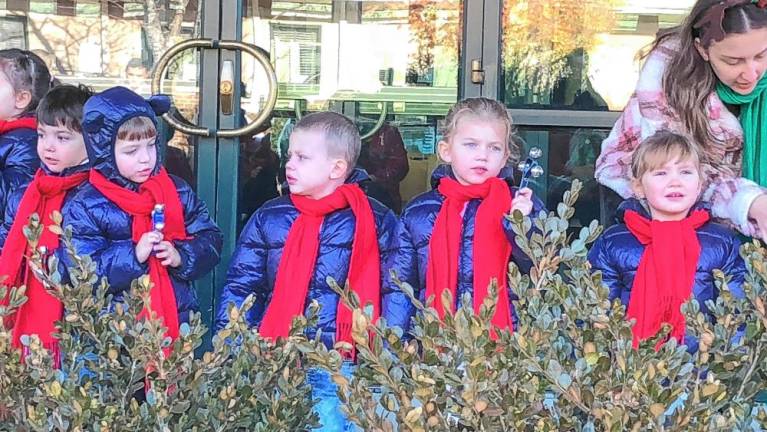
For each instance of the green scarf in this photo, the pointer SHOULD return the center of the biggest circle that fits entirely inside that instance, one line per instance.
(753, 118)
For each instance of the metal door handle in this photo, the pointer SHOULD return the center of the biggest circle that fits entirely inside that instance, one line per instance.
(260, 55)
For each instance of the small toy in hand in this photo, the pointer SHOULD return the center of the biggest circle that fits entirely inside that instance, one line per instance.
(530, 167)
(158, 217)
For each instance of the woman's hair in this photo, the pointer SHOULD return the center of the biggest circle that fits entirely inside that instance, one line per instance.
(485, 109)
(26, 71)
(689, 80)
(137, 128)
(662, 147)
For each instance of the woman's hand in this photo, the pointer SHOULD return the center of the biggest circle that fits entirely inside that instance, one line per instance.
(758, 212)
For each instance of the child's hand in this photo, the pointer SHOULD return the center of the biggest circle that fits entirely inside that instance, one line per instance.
(168, 254)
(523, 201)
(145, 245)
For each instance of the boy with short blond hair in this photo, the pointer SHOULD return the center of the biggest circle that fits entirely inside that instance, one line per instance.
(326, 227)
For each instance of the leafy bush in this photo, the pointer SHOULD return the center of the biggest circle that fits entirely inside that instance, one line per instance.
(569, 365)
(114, 375)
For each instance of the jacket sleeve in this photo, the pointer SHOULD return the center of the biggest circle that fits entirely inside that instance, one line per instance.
(246, 275)
(201, 252)
(11, 207)
(517, 255)
(735, 267)
(395, 305)
(403, 262)
(22, 160)
(115, 259)
(602, 260)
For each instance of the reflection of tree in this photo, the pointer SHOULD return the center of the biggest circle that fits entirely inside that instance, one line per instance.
(163, 23)
(538, 36)
(422, 18)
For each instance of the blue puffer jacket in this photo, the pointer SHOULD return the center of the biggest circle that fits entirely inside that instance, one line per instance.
(102, 230)
(413, 236)
(253, 269)
(12, 205)
(617, 253)
(18, 161)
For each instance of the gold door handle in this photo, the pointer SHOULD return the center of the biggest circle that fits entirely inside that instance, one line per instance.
(260, 55)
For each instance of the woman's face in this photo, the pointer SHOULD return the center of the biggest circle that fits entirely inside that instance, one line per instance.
(739, 60)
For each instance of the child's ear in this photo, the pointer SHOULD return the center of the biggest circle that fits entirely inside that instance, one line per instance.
(443, 149)
(340, 169)
(636, 186)
(23, 99)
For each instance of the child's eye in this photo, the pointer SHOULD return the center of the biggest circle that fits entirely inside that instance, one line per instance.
(63, 138)
(497, 149)
(659, 173)
(687, 171)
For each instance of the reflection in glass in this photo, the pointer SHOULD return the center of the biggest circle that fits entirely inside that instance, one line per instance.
(101, 47)
(351, 57)
(579, 54)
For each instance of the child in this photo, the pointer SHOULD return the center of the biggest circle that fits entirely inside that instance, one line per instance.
(63, 171)
(24, 79)
(665, 247)
(111, 217)
(456, 236)
(326, 227)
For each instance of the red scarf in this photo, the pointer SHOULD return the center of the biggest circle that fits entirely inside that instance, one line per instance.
(159, 189)
(44, 195)
(666, 273)
(22, 123)
(300, 255)
(491, 249)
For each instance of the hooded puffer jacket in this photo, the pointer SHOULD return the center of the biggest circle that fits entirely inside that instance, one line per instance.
(414, 233)
(102, 230)
(253, 269)
(617, 253)
(18, 161)
(14, 200)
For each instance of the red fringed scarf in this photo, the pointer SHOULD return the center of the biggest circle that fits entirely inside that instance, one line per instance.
(300, 255)
(666, 273)
(22, 123)
(491, 248)
(158, 189)
(44, 195)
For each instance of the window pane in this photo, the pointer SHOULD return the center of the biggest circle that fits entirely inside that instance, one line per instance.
(568, 154)
(579, 54)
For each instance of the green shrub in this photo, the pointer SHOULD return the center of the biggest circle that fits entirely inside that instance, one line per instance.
(109, 355)
(569, 365)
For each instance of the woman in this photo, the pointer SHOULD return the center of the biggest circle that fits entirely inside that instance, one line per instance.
(705, 78)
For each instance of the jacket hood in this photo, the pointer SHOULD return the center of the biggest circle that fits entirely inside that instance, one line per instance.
(445, 170)
(104, 113)
(640, 207)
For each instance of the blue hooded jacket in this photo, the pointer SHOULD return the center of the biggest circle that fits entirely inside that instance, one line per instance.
(413, 236)
(102, 230)
(617, 253)
(18, 161)
(253, 269)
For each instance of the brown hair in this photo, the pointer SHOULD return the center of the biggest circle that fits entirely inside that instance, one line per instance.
(342, 138)
(485, 109)
(137, 128)
(689, 80)
(662, 147)
(26, 71)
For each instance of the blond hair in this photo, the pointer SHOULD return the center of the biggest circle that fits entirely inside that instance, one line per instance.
(342, 139)
(662, 147)
(484, 109)
(137, 128)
